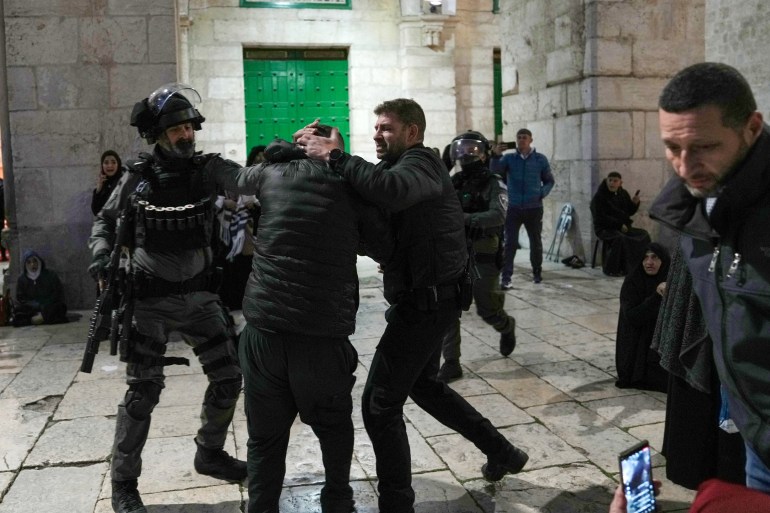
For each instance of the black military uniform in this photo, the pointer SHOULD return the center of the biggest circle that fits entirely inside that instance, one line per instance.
(484, 200)
(169, 199)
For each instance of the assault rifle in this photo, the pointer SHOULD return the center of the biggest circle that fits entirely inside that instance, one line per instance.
(105, 319)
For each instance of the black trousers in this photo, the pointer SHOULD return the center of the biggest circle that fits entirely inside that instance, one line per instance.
(405, 365)
(284, 376)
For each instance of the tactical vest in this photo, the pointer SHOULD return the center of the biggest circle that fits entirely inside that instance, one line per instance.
(173, 209)
(469, 192)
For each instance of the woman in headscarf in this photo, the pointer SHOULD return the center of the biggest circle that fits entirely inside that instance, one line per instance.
(110, 171)
(640, 298)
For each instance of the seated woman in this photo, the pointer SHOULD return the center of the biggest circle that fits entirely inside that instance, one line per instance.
(611, 209)
(38, 290)
(640, 298)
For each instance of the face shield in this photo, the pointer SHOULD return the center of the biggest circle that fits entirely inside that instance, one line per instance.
(172, 104)
(467, 151)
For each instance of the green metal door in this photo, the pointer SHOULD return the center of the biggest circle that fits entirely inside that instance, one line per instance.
(287, 89)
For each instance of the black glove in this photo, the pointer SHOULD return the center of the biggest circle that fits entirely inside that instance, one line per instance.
(99, 264)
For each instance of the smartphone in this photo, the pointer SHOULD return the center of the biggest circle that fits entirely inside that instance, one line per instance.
(637, 192)
(636, 476)
(510, 145)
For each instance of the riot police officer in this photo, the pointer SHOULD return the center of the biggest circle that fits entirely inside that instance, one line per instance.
(167, 198)
(484, 200)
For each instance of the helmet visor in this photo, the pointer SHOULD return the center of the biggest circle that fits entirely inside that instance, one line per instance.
(157, 100)
(466, 150)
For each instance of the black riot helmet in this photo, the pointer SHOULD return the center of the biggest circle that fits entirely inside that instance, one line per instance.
(468, 147)
(169, 105)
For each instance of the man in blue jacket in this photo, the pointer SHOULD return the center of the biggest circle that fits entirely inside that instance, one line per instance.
(527, 174)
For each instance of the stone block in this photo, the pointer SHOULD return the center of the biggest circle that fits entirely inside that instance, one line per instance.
(22, 88)
(79, 86)
(88, 439)
(608, 57)
(161, 35)
(622, 93)
(113, 40)
(653, 146)
(224, 88)
(140, 7)
(639, 130)
(125, 90)
(20, 427)
(607, 135)
(564, 65)
(21, 8)
(41, 40)
(42, 378)
(568, 137)
(551, 103)
(665, 57)
(76, 489)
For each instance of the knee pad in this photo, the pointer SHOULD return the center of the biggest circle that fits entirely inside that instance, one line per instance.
(141, 399)
(223, 394)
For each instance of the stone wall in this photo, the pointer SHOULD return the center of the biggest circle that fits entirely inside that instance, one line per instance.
(741, 38)
(584, 76)
(443, 62)
(74, 70)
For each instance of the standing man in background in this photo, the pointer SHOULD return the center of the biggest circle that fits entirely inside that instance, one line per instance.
(527, 174)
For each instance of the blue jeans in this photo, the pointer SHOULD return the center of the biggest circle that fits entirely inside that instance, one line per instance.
(757, 473)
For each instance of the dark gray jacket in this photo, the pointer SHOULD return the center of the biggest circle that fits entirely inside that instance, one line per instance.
(728, 254)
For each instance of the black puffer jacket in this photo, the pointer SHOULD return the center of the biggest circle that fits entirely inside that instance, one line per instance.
(304, 278)
(427, 218)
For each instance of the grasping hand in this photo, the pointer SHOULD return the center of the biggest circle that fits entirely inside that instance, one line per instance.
(661, 288)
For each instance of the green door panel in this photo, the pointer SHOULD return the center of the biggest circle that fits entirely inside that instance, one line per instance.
(287, 89)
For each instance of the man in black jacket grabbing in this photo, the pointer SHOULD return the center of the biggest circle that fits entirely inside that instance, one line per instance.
(421, 284)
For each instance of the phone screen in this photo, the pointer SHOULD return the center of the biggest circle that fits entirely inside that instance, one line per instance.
(636, 474)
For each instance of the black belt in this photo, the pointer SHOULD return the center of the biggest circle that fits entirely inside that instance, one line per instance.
(152, 286)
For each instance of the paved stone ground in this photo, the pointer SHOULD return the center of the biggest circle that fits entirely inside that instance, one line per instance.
(554, 397)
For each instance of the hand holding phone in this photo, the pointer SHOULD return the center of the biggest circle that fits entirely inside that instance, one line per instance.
(636, 478)
(637, 192)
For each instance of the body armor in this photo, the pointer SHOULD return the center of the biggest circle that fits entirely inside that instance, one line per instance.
(174, 207)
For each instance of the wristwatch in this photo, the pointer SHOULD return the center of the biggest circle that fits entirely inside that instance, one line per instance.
(335, 155)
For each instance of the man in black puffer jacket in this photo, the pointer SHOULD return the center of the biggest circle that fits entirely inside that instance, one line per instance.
(300, 304)
(422, 285)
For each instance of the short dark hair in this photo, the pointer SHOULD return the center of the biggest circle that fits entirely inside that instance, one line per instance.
(614, 174)
(710, 83)
(255, 151)
(406, 110)
(524, 131)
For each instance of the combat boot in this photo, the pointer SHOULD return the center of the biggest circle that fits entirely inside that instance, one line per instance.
(450, 370)
(125, 497)
(218, 464)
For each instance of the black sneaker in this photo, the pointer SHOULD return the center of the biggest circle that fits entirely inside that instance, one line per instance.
(218, 464)
(450, 371)
(537, 275)
(511, 461)
(506, 285)
(125, 497)
(508, 341)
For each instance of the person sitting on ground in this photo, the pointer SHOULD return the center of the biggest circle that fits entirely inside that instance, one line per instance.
(611, 209)
(38, 290)
(638, 365)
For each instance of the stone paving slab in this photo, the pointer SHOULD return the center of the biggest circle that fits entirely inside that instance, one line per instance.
(554, 397)
(42, 378)
(54, 489)
(88, 440)
(20, 428)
